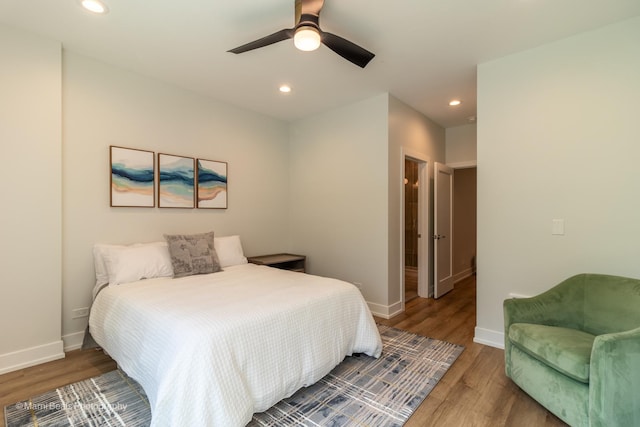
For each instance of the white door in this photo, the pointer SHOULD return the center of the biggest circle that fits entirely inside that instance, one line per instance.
(443, 228)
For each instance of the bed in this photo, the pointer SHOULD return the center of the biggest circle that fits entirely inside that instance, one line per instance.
(212, 349)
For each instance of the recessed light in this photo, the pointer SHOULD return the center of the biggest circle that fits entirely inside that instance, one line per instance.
(285, 88)
(95, 6)
(455, 102)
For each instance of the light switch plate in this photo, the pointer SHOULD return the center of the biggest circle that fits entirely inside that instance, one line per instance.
(557, 227)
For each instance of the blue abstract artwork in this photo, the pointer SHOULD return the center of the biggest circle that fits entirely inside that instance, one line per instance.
(176, 184)
(211, 184)
(132, 177)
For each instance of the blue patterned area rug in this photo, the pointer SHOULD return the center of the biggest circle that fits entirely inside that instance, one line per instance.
(361, 391)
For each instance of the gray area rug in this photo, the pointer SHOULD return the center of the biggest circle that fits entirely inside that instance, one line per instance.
(361, 391)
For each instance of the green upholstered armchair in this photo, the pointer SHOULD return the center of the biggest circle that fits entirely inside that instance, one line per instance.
(576, 349)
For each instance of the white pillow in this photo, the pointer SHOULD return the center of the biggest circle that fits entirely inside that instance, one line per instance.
(229, 250)
(99, 253)
(158, 261)
(137, 262)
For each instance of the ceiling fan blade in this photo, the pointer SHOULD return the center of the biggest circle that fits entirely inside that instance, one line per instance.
(348, 50)
(311, 7)
(276, 37)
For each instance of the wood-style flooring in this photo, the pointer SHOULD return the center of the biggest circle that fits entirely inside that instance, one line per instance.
(410, 283)
(474, 392)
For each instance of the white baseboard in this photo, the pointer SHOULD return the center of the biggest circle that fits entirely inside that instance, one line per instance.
(385, 311)
(462, 275)
(489, 337)
(73, 341)
(31, 356)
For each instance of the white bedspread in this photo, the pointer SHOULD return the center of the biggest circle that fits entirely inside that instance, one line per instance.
(211, 350)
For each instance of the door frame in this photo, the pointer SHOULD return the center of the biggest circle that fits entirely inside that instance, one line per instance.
(424, 217)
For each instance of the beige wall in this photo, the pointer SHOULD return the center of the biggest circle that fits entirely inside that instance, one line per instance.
(339, 192)
(557, 139)
(31, 145)
(461, 148)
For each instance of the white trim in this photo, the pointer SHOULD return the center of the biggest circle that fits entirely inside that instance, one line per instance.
(462, 275)
(73, 341)
(385, 311)
(31, 356)
(489, 337)
(463, 165)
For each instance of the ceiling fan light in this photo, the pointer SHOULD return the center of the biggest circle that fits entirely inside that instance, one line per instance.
(306, 38)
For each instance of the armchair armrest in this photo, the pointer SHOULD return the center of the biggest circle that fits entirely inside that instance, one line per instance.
(536, 310)
(561, 305)
(552, 308)
(614, 384)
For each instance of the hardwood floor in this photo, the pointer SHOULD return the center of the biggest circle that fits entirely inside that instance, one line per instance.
(474, 392)
(410, 283)
(76, 366)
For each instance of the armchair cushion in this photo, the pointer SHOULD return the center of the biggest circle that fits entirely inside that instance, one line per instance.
(566, 350)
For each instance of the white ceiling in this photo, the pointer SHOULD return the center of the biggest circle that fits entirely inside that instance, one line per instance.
(426, 50)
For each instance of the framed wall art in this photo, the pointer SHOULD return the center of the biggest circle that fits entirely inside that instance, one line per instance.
(176, 181)
(211, 183)
(132, 177)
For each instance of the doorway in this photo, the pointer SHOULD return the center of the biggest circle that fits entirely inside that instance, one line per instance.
(464, 222)
(411, 200)
(455, 200)
(414, 227)
(464, 198)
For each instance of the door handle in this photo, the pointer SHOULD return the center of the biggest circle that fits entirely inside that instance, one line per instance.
(439, 236)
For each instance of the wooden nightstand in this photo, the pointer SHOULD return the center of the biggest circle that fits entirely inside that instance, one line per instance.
(284, 261)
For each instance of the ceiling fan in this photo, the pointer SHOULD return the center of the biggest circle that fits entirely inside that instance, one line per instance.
(307, 35)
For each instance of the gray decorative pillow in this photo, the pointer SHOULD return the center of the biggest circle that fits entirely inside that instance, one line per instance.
(192, 254)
